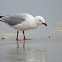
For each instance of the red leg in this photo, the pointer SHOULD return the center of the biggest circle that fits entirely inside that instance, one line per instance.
(17, 40)
(24, 36)
(17, 35)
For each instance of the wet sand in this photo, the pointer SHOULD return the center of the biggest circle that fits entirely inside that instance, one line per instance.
(40, 50)
(36, 50)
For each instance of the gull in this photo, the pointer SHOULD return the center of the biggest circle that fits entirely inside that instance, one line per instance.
(22, 22)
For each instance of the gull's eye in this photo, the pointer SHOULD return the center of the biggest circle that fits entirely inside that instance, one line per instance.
(39, 20)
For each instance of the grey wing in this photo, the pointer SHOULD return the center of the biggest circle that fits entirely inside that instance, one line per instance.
(15, 19)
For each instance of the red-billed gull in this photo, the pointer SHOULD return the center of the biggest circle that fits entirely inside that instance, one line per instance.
(22, 22)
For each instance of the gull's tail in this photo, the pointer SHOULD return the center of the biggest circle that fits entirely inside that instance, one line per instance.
(1, 18)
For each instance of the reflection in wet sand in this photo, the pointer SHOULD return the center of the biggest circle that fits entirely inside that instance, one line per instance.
(17, 44)
(21, 54)
(24, 44)
(20, 41)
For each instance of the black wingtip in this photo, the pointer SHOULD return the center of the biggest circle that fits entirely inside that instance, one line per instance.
(1, 16)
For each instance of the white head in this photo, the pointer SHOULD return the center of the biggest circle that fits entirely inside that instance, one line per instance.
(40, 20)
